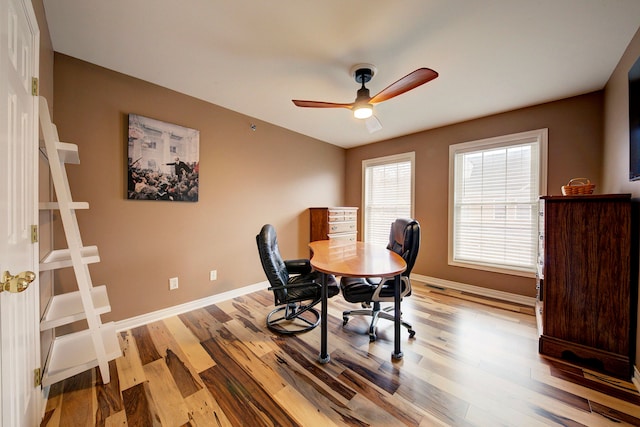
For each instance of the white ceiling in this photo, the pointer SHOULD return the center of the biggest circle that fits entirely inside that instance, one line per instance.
(254, 56)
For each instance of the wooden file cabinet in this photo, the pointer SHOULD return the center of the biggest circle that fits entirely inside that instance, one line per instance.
(590, 281)
(338, 223)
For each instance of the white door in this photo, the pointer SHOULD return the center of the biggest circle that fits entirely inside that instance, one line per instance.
(20, 399)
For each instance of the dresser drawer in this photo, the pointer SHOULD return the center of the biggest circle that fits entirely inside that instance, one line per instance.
(342, 227)
(343, 238)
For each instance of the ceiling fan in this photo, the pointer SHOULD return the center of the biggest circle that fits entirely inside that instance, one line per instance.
(363, 105)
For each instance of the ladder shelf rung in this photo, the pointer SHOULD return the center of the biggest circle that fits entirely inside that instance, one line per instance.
(74, 353)
(68, 153)
(67, 308)
(44, 206)
(61, 258)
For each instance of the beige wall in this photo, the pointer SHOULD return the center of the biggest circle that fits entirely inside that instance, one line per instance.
(247, 178)
(575, 135)
(616, 137)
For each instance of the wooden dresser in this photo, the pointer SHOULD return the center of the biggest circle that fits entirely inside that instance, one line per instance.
(588, 281)
(337, 223)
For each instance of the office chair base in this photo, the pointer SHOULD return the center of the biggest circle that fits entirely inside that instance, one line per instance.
(385, 313)
(293, 320)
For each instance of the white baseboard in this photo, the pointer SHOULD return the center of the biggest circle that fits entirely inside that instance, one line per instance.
(636, 377)
(143, 319)
(476, 290)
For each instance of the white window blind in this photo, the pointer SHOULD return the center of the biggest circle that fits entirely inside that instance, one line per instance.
(388, 194)
(496, 187)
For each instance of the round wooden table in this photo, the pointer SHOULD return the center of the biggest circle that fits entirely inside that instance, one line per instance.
(356, 259)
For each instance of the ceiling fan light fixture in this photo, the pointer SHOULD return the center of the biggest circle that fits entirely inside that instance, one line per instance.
(362, 107)
(363, 111)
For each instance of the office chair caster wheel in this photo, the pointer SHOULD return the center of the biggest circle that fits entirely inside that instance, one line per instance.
(372, 334)
(344, 320)
(412, 333)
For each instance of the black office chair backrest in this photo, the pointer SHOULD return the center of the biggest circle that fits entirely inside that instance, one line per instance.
(272, 262)
(404, 239)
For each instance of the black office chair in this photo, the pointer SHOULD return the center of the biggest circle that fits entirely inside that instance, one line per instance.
(296, 288)
(404, 239)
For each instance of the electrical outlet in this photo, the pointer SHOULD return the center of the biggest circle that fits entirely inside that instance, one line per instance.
(173, 283)
(213, 275)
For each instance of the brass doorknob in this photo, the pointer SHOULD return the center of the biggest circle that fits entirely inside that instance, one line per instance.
(18, 283)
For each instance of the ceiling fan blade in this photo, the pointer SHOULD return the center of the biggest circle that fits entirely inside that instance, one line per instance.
(408, 82)
(320, 104)
(373, 124)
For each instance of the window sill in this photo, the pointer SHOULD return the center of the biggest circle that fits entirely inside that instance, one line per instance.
(495, 269)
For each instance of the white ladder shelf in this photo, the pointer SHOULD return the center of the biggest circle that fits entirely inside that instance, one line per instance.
(75, 352)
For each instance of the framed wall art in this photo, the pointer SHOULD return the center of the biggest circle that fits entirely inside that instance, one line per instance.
(163, 161)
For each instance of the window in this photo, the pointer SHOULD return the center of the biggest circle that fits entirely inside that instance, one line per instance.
(494, 187)
(387, 194)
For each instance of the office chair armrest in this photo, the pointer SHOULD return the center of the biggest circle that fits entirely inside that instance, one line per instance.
(298, 266)
(406, 287)
(295, 285)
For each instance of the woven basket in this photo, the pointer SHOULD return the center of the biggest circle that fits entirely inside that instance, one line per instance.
(578, 187)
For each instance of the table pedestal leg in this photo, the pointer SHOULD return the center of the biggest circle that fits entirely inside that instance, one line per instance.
(397, 352)
(324, 356)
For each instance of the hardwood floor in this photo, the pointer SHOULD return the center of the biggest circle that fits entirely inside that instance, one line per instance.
(470, 364)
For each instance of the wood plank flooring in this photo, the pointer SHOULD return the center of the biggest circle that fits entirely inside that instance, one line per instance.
(471, 364)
